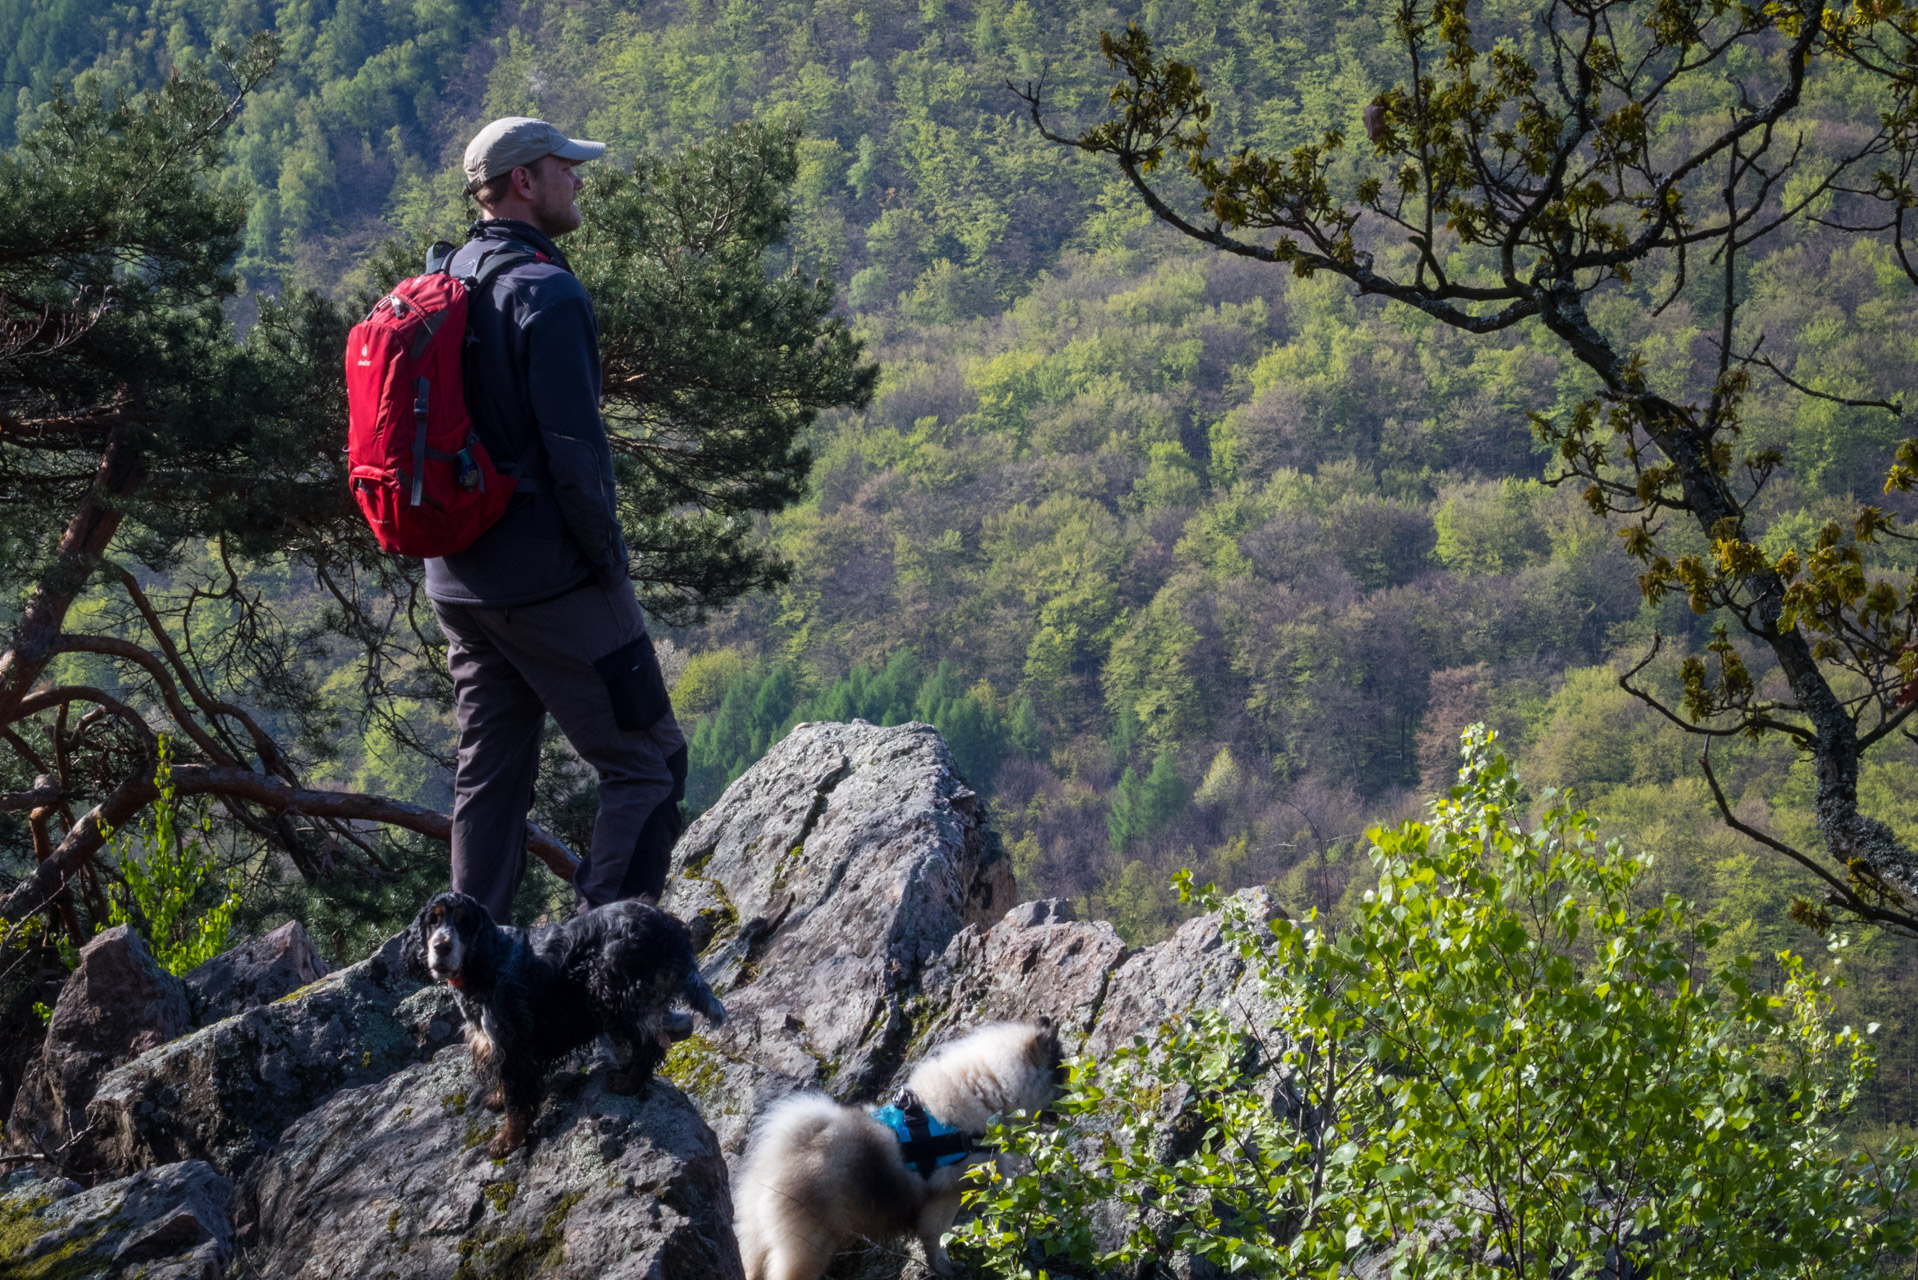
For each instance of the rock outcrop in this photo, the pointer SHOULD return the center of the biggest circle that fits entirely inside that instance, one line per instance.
(1035, 961)
(258, 971)
(224, 1093)
(853, 910)
(117, 1004)
(393, 1179)
(827, 879)
(830, 878)
(1193, 969)
(159, 1224)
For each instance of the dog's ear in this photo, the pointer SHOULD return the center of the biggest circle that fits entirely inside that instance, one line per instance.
(475, 920)
(1048, 1052)
(413, 947)
(480, 936)
(1046, 1042)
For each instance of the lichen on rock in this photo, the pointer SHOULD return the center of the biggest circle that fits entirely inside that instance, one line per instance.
(610, 1186)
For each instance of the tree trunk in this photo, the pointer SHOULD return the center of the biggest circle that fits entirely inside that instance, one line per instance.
(92, 527)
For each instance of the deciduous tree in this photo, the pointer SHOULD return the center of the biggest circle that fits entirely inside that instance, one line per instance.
(1531, 165)
(1499, 1066)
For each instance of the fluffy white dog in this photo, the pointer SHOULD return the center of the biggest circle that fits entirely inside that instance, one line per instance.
(818, 1175)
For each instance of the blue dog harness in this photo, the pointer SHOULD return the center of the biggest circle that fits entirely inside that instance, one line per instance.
(924, 1142)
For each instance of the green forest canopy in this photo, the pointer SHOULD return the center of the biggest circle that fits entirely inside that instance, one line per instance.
(1117, 512)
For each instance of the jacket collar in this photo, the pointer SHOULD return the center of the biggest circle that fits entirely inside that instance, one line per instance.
(495, 229)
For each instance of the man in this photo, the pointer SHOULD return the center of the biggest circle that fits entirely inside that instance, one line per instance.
(539, 613)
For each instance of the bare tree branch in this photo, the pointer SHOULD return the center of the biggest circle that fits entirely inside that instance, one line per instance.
(134, 793)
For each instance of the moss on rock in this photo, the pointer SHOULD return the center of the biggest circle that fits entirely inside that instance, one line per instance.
(515, 1254)
(83, 1256)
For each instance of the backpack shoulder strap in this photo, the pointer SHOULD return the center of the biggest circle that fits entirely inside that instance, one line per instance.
(488, 268)
(493, 262)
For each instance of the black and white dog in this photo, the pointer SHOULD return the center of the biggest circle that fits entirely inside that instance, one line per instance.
(531, 997)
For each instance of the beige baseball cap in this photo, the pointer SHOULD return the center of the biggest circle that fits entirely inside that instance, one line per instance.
(507, 143)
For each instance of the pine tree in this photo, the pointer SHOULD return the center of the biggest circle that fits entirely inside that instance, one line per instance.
(151, 459)
(133, 422)
(1125, 819)
(713, 367)
(1164, 793)
(1141, 806)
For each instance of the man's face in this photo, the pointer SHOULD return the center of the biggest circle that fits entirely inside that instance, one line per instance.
(555, 195)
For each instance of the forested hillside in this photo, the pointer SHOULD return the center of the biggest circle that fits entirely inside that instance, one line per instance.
(1195, 561)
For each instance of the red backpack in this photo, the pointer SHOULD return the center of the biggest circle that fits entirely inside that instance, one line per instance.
(416, 466)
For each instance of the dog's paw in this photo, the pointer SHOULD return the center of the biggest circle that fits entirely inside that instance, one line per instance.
(495, 1099)
(510, 1138)
(674, 1027)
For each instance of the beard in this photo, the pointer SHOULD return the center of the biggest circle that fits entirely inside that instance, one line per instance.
(555, 211)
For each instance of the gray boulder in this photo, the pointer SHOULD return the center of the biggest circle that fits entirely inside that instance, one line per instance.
(224, 1093)
(1036, 961)
(823, 883)
(1194, 968)
(159, 1224)
(258, 971)
(116, 1005)
(394, 1179)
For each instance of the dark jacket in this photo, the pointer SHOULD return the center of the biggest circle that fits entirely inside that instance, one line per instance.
(532, 388)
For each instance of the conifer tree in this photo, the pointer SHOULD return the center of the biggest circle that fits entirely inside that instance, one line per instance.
(132, 423)
(151, 458)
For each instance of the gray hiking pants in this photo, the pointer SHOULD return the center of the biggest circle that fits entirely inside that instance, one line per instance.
(585, 658)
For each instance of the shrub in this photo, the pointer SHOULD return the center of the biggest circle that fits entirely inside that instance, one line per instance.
(1504, 1066)
(170, 876)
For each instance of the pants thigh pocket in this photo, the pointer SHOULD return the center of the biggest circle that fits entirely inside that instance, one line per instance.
(634, 686)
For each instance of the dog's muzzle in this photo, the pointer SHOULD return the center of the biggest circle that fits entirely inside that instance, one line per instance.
(444, 957)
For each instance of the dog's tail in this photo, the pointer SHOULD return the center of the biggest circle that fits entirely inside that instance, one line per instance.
(701, 997)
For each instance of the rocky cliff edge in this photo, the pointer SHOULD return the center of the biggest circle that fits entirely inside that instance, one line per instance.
(853, 909)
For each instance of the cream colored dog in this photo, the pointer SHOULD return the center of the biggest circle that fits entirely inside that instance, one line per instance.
(818, 1175)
